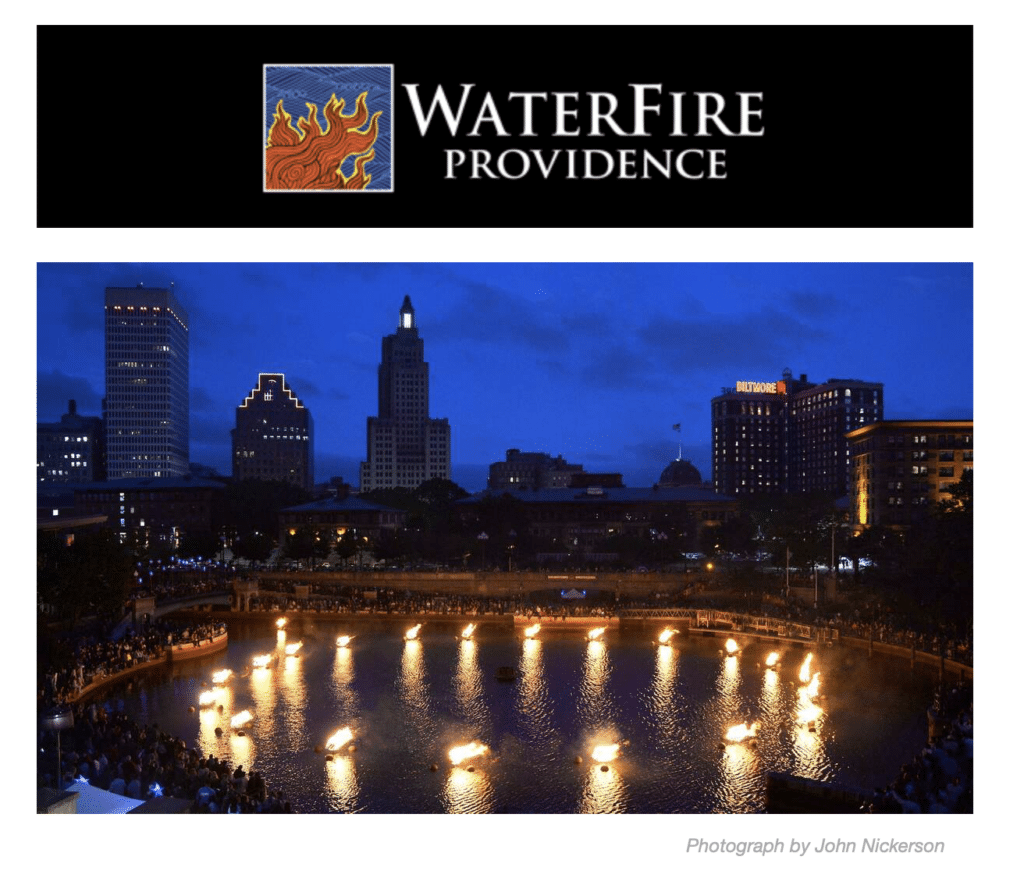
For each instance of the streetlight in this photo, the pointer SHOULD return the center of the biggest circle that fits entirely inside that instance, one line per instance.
(511, 547)
(55, 720)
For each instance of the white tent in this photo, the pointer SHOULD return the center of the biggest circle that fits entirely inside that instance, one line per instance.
(93, 800)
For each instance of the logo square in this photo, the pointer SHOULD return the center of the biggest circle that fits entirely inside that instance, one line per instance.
(328, 127)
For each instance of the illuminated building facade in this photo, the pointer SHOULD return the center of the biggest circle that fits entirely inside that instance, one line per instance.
(146, 407)
(70, 450)
(899, 469)
(404, 445)
(273, 435)
(531, 470)
(788, 435)
(160, 510)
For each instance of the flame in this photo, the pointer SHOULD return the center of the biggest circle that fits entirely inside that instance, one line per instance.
(281, 622)
(596, 633)
(311, 157)
(468, 631)
(292, 647)
(805, 670)
(206, 698)
(813, 686)
(605, 752)
(772, 660)
(809, 714)
(221, 676)
(338, 740)
(466, 751)
(240, 719)
(741, 732)
(343, 641)
(531, 631)
(261, 661)
(730, 646)
(666, 635)
(414, 632)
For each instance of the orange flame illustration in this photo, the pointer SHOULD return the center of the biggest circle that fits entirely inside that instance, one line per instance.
(311, 157)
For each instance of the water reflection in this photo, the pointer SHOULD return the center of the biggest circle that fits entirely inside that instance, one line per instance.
(594, 704)
(412, 689)
(342, 785)
(469, 688)
(211, 718)
(663, 701)
(809, 756)
(403, 699)
(728, 683)
(774, 718)
(741, 782)
(292, 700)
(533, 703)
(603, 791)
(347, 700)
(467, 792)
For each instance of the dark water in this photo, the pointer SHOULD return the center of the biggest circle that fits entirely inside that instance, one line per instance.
(408, 703)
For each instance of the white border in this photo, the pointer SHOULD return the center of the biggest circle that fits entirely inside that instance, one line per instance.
(501, 850)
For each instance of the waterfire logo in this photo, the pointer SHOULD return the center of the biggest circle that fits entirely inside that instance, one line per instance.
(343, 151)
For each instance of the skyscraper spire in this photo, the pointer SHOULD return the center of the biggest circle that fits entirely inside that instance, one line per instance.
(406, 315)
(405, 446)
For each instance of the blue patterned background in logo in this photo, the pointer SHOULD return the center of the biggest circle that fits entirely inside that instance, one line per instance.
(296, 85)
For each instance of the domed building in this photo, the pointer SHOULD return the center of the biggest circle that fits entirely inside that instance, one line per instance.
(680, 473)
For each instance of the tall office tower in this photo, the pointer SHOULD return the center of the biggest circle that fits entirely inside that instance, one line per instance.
(70, 450)
(404, 445)
(146, 406)
(273, 435)
(822, 415)
(788, 435)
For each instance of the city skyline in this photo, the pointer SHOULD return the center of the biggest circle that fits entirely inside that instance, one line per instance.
(595, 362)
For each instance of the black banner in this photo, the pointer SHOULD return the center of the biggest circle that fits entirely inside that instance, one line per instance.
(526, 126)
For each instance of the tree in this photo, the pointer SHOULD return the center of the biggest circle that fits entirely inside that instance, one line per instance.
(253, 505)
(253, 546)
(299, 543)
(92, 576)
(197, 544)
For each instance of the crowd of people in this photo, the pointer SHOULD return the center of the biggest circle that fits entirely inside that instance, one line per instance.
(939, 779)
(111, 751)
(92, 658)
(880, 625)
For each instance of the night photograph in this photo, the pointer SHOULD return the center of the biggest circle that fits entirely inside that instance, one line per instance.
(506, 538)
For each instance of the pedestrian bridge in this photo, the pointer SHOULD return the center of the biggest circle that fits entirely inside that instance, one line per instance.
(148, 605)
(496, 583)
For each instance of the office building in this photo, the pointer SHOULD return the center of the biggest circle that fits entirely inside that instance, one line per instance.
(70, 450)
(900, 469)
(404, 446)
(146, 406)
(531, 470)
(788, 435)
(161, 511)
(273, 435)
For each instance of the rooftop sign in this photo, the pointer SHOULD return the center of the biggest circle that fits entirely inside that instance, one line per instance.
(757, 387)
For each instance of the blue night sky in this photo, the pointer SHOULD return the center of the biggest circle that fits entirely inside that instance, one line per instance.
(595, 362)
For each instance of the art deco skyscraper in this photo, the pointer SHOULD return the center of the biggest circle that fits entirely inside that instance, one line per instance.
(404, 445)
(273, 435)
(146, 406)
